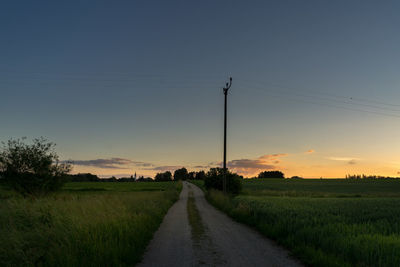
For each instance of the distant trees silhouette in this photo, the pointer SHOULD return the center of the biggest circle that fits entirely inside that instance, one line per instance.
(163, 176)
(142, 179)
(214, 180)
(363, 176)
(271, 174)
(81, 177)
(191, 175)
(201, 175)
(181, 174)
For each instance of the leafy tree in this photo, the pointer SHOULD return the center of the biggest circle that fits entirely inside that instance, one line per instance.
(32, 169)
(214, 179)
(271, 174)
(164, 176)
(81, 177)
(181, 174)
(201, 175)
(191, 175)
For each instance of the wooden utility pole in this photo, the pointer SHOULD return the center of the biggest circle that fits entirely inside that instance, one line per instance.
(225, 89)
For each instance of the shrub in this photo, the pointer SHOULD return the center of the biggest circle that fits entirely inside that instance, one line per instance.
(162, 177)
(191, 175)
(214, 179)
(201, 175)
(32, 169)
(271, 174)
(181, 174)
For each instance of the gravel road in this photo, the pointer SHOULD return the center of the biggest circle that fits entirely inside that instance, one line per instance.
(223, 243)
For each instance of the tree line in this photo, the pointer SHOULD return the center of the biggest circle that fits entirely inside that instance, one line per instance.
(180, 174)
(35, 169)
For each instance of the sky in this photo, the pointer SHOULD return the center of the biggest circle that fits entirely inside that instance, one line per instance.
(136, 86)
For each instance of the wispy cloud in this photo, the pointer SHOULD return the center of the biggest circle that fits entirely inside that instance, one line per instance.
(164, 168)
(342, 158)
(112, 163)
(272, 156)
(352, 162)
(201, 166)
(248, 164)
(349, 160)
(310, 151)
(251, 166)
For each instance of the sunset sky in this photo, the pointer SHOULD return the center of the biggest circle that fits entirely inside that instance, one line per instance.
(136, 86)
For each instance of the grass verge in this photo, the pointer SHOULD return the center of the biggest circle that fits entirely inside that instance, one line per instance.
(83, 228)
(323, 231)
(194, 217)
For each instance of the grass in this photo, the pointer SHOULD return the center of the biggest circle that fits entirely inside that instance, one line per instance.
(323, 222)
(119, 187)
(86, 224)
(323, 187)
(194, 217)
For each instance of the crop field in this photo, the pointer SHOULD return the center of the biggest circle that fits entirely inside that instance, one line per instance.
(323, 222)
(86, 224)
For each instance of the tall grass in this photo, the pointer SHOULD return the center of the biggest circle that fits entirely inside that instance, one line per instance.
(326, 230)
(323, 187)
(88, 228)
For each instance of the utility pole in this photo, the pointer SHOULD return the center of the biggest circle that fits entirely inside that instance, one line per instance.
(225, 89)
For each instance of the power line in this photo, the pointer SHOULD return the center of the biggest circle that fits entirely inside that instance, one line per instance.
(315, 92)
(194, 81)
(326, 104)
(316, 97)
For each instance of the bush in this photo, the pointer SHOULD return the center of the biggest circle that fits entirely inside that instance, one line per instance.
(271, 174)
(181, 174)
(32, 169)
(163, 177)
(214, 179)
(201, 175)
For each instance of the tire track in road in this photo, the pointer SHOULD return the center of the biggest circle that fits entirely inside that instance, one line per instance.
(204, 250)
(211, 239)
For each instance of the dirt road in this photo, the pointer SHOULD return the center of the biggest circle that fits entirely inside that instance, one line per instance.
(209, 238)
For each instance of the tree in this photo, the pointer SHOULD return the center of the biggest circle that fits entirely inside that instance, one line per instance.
(181, 174)
(271, 174)
(81, 177)
(214, 179)
(32, 169)
(201, 175)
(163, 177)
(191, 175)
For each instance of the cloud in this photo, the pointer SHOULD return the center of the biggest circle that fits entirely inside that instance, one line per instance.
(343, 158)
(201, 166)
(142, 164)
(215, 164)
(164, 168)
(272, 156)
(112, 163)
(251, 166)
(310, 151)
(352, 162)
(248, 164)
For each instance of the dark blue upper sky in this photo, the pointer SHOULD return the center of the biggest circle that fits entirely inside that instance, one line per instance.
(142, 79)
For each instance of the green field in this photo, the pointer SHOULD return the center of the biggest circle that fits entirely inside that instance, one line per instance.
(323, 222)
(86, 224)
